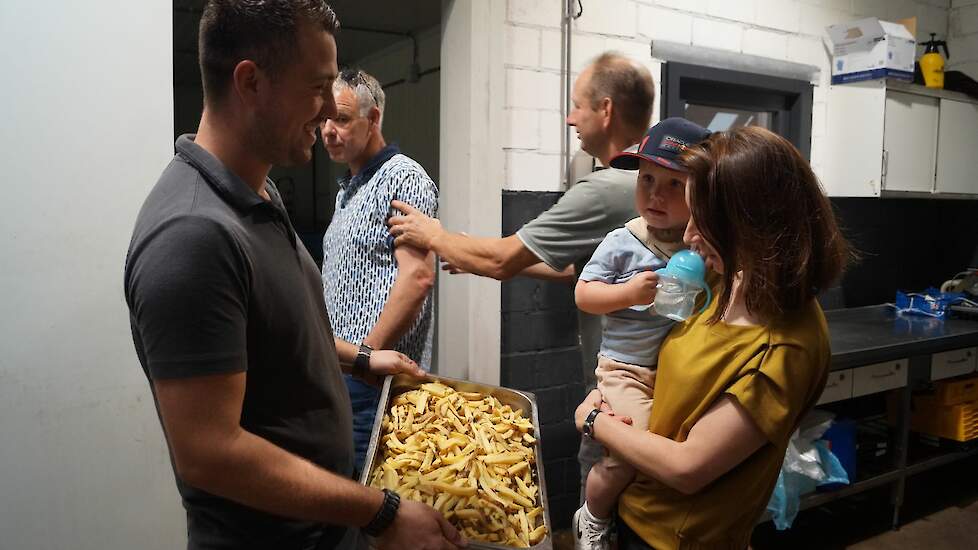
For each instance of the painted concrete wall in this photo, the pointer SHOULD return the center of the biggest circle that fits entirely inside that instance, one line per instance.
(471, 160)
(88, 127)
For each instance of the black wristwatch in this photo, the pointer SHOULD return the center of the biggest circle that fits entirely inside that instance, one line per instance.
(588, 428)
(361, 363)
(385, 516)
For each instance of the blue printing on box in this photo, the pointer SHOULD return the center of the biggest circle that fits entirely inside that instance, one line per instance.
(872, 74)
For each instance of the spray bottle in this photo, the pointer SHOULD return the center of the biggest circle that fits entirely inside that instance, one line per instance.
(932, 64)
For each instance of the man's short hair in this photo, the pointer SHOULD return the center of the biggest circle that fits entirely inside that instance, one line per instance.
(264, 31)
(628, 85)
(368, 91)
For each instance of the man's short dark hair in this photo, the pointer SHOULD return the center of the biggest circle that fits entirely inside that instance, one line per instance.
(628, 85)
(264, 31)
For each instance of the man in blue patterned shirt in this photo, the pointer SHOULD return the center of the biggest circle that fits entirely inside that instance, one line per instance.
(376, 294)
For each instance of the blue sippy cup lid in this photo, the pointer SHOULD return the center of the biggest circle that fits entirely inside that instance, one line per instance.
(687, 266)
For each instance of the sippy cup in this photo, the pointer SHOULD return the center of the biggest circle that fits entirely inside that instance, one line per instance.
(679, 283)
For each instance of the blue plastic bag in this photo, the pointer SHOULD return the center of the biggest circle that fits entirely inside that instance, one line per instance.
(808, 464)
(931, 302)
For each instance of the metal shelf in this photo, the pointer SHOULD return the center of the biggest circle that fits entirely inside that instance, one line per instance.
(938, 460)
(816, 499)
(812, 500)
(906, 461)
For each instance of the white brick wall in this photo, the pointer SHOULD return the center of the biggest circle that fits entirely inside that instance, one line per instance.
(586, 47)
(964, 20)
(608, 17)
(694, 6)
(532, 89)
(809, 50)
(550, 49)
(664, 24)
(719, 35)
(526, 171)
(779, 15)
(535, 12)
(524, 129)
(551, 126)
(523, 46)
(780, 29)
(814, 19)
(765, 43)
(865, 8)
(963, 37)
(742, 11)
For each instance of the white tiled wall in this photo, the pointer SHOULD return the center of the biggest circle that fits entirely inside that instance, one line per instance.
(963, 37)
(781, 29)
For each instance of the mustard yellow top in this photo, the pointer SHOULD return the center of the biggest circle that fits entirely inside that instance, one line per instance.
(776, 372)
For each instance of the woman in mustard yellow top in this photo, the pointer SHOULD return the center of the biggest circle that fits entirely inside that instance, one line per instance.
(735, 380)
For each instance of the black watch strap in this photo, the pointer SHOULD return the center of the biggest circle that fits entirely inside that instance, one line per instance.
(361, 363)
(588, 427)
(385, 516)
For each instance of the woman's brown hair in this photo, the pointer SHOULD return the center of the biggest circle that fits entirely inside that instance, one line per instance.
(757, 201)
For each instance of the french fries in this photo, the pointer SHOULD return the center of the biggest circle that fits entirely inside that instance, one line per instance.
(467, 455)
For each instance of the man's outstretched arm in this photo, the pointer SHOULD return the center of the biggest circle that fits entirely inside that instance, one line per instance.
(499, 258)
(539, 270)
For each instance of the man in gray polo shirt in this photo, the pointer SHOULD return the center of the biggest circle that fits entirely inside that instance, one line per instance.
(226, 306)
(611, 109)
(612, 105)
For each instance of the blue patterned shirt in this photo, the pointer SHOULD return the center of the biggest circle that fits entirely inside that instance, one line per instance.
(358, 251)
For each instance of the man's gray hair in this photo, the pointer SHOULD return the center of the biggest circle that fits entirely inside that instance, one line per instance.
(368, 91)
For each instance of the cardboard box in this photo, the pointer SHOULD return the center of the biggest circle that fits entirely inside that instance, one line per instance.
(870, 48)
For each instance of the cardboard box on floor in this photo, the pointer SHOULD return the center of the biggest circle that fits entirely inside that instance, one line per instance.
(870, 48)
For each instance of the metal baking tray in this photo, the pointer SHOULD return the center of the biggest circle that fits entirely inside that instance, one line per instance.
(523, 401)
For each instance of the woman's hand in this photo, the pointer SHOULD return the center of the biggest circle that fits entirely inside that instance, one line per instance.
(595, 401)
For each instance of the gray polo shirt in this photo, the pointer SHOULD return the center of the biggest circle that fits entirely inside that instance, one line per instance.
(570, 231)
(217, 282)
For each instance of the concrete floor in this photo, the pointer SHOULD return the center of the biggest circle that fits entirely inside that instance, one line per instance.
(940, 512)
(954, 527)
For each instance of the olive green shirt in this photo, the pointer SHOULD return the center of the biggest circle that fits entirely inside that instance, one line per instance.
(776, 372)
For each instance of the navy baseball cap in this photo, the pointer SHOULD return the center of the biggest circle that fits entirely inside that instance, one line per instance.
(663, 144)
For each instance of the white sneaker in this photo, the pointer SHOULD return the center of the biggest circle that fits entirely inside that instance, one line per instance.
(589, 535)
